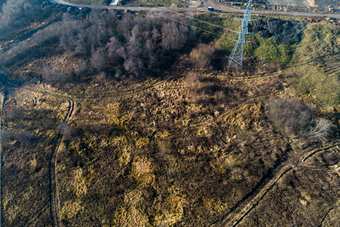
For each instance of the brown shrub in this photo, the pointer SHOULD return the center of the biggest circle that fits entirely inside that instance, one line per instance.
(202, 56)
(290, 117)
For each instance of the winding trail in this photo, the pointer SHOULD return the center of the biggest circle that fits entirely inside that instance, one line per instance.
(326, 215)
(242, 208)
(238, 213)
(54, 191)
(252, 199)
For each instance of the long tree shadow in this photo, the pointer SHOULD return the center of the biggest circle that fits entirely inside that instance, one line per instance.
(27, 144)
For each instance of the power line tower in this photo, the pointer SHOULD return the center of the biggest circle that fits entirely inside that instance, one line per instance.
(236, 57)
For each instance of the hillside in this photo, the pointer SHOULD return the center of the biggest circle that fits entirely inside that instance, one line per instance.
(125, 119)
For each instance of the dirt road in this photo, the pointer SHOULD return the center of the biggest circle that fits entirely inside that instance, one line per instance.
(54, 191)
(239, 212)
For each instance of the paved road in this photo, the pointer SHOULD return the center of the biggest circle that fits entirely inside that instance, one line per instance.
(222, 8)
(131, 8)
(229, 9)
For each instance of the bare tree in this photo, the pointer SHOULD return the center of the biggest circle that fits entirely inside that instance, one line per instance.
(323, 129)
(290, 116)
(98, 59)
(174, 36)
(202, 56)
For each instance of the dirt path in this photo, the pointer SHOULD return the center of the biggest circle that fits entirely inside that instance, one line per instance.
(241, 209)
(54, 191)
(236, 215)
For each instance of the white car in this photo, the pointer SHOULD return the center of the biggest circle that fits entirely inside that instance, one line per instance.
(114, 3)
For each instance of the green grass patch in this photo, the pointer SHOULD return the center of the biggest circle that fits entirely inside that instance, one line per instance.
(322, 88)
(318, 40)
(269, 51)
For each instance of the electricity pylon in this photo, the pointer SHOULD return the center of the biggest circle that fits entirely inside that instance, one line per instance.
(236, 57)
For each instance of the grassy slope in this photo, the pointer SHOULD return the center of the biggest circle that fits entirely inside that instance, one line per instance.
(319, 82)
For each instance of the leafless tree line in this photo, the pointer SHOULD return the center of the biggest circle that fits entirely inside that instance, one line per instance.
(17, 12)
(106, 41)
(134, 44)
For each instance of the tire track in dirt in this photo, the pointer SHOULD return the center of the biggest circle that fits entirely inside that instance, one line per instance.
(312, 153)
(114, 94)
(130, 92)
(247, 100)
(252, 199)
(52, 167)
(37, 215)
(123, 93)
(54, 191)
(326, 215)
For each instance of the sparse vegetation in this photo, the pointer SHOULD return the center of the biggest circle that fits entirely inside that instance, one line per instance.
(161, 133)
